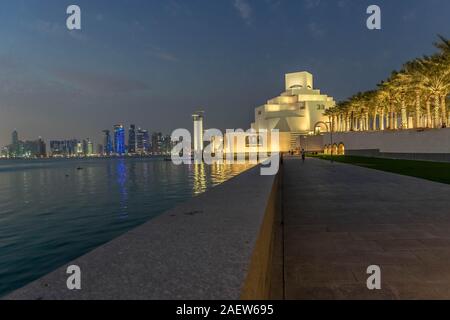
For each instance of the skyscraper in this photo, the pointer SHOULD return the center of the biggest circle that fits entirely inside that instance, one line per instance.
(132, 139)
(42, 150)
(15, 138)
(156, 143)
(167, 145)
(107, 143)
(85, 147)
(88, 147)
(119, 139)
(4, 152)
(100, 149)
(15, 148)
(34, 149)
(64, 148)
(142, 141)
(198, 135)
(79, 148)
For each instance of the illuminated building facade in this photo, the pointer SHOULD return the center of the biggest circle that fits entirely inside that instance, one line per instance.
(63, 148)
(198, 134)
(119, 139)
(298, 111)
(142, 142)
(132, 139)
(107, 143)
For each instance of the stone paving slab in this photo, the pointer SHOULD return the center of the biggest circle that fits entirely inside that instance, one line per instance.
(339, 219)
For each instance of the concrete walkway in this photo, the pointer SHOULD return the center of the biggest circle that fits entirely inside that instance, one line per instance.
(339, 219)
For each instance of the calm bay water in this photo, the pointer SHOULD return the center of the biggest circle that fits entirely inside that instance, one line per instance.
(51, 213)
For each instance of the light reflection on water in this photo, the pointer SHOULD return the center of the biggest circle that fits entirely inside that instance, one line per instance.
(51, 213)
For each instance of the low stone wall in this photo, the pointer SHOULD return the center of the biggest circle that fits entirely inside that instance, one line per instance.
(261, 279)
(218, 245)
(311, 143)
(429, 144)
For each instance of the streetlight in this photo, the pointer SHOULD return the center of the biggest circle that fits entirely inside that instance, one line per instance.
(330, 123)
(306, 143)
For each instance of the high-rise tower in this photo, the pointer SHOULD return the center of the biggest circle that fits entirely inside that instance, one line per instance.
(197, 117)
(132, 143)
(119, 139)
(142, 141)
(107, 143)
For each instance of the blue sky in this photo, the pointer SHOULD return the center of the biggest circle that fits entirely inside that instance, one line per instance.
(153, 62)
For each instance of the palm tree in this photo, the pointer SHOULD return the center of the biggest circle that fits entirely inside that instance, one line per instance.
(443, 60)
(343, 108)
(389, 94)
(411, 77)
(384, 97)
(436, 77)
(421, 80)
(443, 45)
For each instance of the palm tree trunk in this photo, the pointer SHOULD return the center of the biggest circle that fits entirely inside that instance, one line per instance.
(352, 122)
(374, 122)
(390, 122)
(418, 111)
(392, 118)
(444, 111)
(429, 123)
(367, 121)
(436, 111)
(404, 123)
(382, 120)
(395, 121)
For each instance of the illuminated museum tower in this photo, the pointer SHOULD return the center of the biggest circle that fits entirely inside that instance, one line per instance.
(298, 111)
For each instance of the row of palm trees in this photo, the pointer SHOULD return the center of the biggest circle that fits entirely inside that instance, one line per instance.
(414, 97)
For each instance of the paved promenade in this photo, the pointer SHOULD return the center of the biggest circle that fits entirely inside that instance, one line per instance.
(339, 219)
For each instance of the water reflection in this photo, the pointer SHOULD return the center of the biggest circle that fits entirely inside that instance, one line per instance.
(122, 184)
(51, 213)
(218, 173)
(199, 178)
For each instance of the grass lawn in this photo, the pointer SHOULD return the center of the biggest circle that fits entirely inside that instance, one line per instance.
(435, 171)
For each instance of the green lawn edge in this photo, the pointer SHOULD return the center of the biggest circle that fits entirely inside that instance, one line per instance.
(434, 171)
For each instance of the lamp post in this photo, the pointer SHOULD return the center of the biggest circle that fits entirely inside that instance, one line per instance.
(330, 123)
(306, 143)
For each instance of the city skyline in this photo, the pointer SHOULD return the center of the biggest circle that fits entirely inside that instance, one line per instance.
(115, 142)
(139, 60)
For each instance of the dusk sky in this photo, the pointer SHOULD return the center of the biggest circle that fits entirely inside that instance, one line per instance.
(153, 63)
